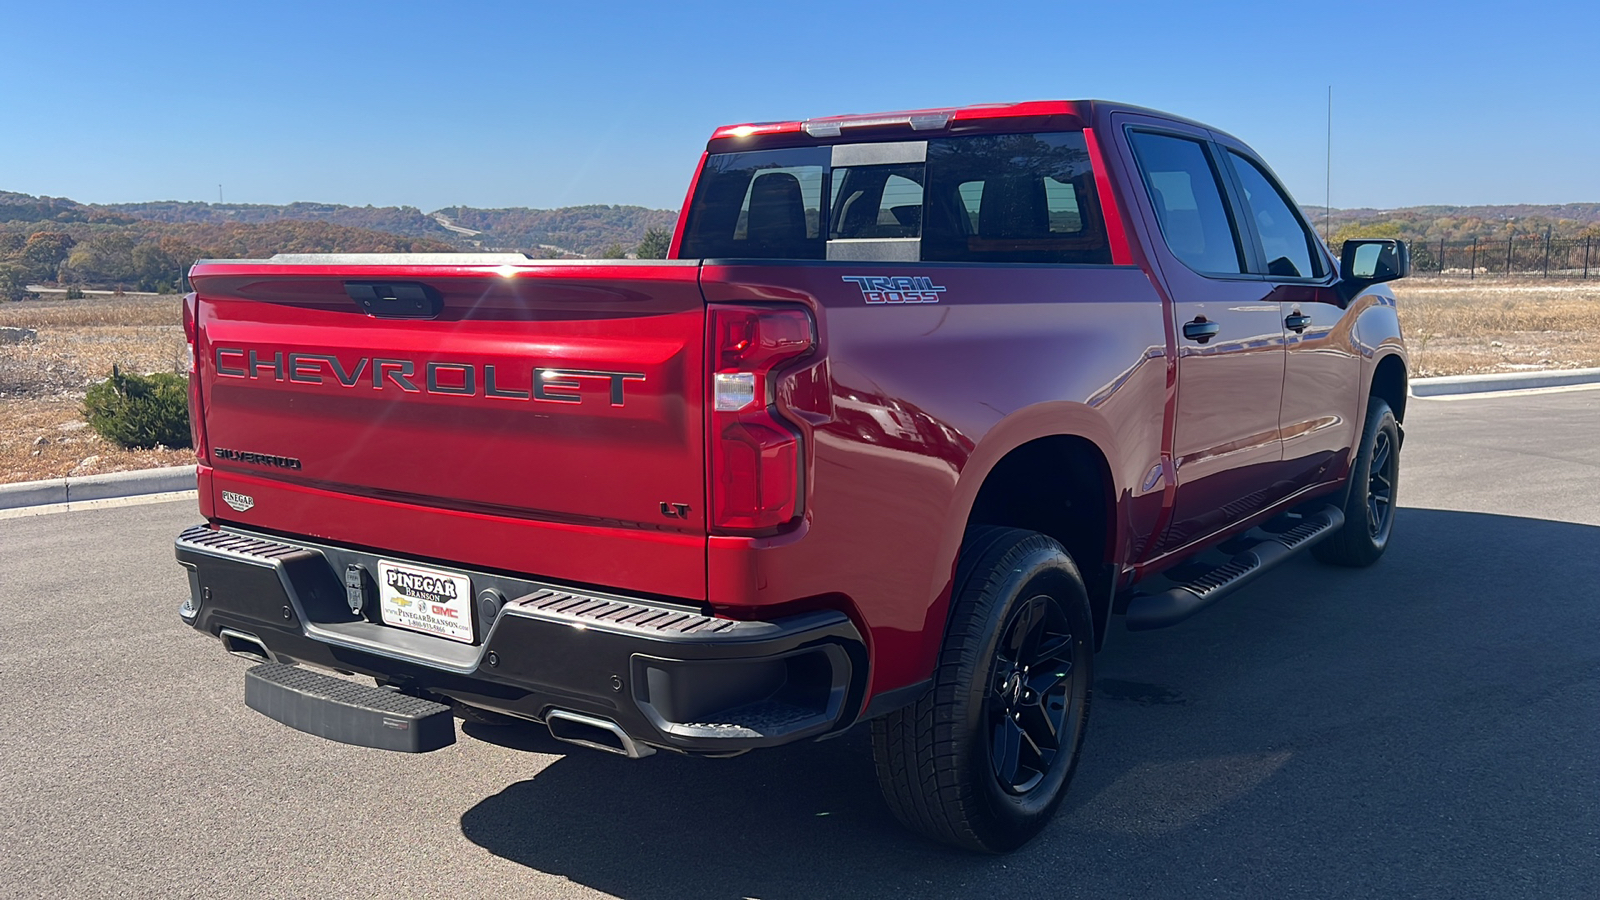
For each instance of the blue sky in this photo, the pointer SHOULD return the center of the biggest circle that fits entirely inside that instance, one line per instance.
(533, 104)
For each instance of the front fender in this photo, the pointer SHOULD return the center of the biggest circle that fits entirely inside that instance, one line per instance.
(1377, 336)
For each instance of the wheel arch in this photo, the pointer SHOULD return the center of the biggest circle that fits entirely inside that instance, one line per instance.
(1056, 480)
(1377, 337)
(1060, 486)
(1389, 383)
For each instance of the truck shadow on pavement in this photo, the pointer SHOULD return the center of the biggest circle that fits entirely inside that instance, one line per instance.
(1397, 730)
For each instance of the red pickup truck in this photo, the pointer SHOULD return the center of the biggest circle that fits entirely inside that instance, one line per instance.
(918, 404)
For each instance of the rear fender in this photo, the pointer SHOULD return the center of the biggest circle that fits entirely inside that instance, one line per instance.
(1044, 420)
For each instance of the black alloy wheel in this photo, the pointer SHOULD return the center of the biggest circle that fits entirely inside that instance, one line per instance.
(1380, 486)
(984, 757)
(1029, 695)
(1369, 506)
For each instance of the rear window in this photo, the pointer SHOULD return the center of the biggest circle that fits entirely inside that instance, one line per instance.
(876, 202)
(1019, 198)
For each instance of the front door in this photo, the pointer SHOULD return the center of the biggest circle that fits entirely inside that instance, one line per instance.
(1322, 378)
(1227, 452)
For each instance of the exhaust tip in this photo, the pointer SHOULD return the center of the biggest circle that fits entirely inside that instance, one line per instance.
(246, 646)
(595, 733)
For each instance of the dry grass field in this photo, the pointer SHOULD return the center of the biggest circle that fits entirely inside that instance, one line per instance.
(1453, 326)
(1458, 327)
(42, 381)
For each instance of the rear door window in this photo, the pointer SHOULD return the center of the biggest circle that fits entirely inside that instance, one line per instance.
(1187, 195)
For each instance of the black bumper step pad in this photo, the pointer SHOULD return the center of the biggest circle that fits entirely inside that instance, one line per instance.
(350, 713)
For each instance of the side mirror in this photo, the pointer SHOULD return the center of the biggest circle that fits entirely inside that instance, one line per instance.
(1364, 263)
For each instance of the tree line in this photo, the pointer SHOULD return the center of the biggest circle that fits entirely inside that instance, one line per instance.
(158, 260)
(1431, 224)
(149, 246)
(578, 230)
(156, 256)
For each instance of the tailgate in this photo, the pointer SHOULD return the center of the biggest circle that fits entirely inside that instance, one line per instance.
(546, 415)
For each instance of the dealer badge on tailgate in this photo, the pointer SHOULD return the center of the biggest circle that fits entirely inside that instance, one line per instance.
(425, 600)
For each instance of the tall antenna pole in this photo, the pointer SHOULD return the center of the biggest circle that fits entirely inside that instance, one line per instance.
(1327, 187)
(219, 193)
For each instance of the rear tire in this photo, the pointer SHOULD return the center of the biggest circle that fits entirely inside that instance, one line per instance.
(1369, 505)
(983, 758)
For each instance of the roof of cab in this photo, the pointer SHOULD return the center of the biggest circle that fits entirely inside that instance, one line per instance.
(1081, 112)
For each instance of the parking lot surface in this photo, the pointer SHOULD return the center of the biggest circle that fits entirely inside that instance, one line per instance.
(1428, 727)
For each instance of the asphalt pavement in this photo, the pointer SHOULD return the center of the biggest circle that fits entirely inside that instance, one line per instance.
(1429, 727)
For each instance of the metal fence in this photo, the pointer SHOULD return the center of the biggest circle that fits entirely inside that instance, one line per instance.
(1528, 255)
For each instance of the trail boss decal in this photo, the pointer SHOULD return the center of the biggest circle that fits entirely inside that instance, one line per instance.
(460, 379)
(896, 288)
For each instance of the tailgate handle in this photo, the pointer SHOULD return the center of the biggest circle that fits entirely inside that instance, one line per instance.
(395, 299)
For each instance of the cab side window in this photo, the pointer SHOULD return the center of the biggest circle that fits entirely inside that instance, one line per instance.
(1013, 198)
(1187, 195)
(1289, 246)
(763, 204)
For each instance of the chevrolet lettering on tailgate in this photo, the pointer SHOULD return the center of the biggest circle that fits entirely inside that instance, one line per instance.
(460, 379)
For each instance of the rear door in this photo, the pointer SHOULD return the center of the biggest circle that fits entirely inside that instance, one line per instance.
(413, 407)
(1227, 449)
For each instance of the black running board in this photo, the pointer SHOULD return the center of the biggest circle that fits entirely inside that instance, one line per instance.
(347, 712)
(1149, 611)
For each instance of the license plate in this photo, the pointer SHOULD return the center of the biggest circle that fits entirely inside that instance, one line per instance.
(425, 600)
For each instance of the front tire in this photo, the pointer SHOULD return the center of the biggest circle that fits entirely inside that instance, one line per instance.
(983, 759)
(1370, 501)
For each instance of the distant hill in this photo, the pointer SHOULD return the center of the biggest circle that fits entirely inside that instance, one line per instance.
(1461, 223)
(592, 230)
(588, 230)
(403, 220)
(53, 239)
(149, 245)
(28, 208)
(570, 231)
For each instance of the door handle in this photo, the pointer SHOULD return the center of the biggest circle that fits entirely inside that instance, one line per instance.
(1200, 330)
(1296, 322)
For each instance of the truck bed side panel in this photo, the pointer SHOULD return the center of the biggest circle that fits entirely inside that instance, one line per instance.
(926, 398)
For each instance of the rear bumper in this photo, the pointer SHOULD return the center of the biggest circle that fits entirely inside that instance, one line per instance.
(667, 674)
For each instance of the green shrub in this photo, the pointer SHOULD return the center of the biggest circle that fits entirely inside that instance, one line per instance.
(656, 243)
(140, 411)
(13, 283)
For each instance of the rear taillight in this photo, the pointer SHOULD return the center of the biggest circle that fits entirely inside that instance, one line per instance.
(191, 334)
(757, 459)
